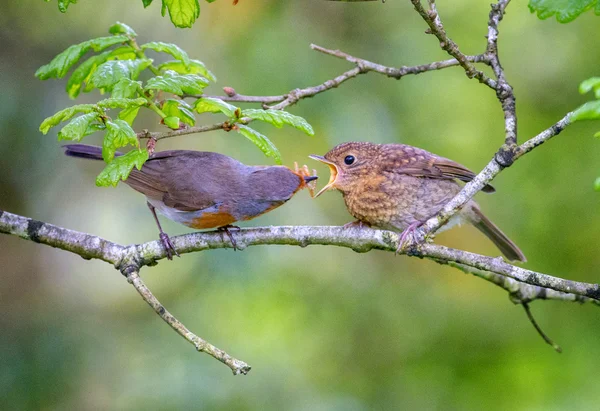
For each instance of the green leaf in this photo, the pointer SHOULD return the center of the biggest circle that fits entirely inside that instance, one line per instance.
(94, 127)
(183, 13)
(146, 3)
(178, 84)
(214, 105)
(129, 114)
(123, 53)
(118, 134)
(589, 111)
(126, 88)
(171, 122)
(60, 65)
(194, 67)
(169, 48)
(278, 118)
(564, 10)
(120, 167)
(77, 128)
(121, 102)
(180, 109)
(64, 115)
(589, 84)
(597, 184)
(122, 28)
(63, 5)
(83, 72)
(261, 141)
(110, 72)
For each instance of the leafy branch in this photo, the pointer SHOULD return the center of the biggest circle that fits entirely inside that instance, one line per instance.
(117, 69)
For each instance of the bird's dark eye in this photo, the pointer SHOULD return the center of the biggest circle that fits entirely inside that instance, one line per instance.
(349, 160)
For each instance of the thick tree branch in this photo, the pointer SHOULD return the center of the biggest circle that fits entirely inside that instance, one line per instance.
(125, 259)
(529, 285)
(359, 240)
(519, 292)
(499, 266)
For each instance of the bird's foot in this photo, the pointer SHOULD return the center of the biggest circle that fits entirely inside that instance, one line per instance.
(166, 242)
(409, 231)
(225, 230)
(357, 224)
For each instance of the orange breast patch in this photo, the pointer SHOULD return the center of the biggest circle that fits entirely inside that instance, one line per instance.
(212, 220)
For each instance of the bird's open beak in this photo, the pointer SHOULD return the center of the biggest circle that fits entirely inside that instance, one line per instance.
(332, 168)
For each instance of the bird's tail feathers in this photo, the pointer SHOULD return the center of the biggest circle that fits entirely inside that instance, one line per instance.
(85, 151)
(504, 244)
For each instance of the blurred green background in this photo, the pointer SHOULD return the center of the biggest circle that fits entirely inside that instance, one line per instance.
(324, 328)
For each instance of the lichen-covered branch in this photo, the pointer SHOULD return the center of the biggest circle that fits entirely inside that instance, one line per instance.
(86, 245)
(125, 259)
(358, 239)
(504, 91)
(519, 292)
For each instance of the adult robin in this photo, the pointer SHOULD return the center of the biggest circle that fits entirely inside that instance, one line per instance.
(398, 187)
(202, 189)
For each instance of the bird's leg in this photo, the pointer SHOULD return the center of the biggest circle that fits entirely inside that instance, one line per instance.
(357, 224)
(410, 230)
(225, 229)
(164, 238)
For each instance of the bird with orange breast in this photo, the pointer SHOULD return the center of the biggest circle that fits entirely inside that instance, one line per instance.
(203, 190)
(398, 187)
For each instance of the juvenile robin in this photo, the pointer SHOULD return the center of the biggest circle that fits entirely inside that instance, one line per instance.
(398, 187)
(202, 189)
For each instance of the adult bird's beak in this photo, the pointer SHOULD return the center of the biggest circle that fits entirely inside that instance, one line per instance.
(332, 168)
(308, 179)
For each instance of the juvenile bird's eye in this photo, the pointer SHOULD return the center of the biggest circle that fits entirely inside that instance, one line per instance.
(349, 160)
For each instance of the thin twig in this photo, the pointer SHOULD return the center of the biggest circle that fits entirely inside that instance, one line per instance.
(436, 28)
(292, 97)
(539, 329)
(237, 366)
(240, 98)
(394, 72)
(298, 94)
(484, 177)
(504, 91)
(182, 132)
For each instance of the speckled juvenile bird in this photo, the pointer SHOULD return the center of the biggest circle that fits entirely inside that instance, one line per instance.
(398, 187)
(203, 189)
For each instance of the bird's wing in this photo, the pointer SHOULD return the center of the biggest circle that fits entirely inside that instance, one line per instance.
(420, 163)
(182, 179)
